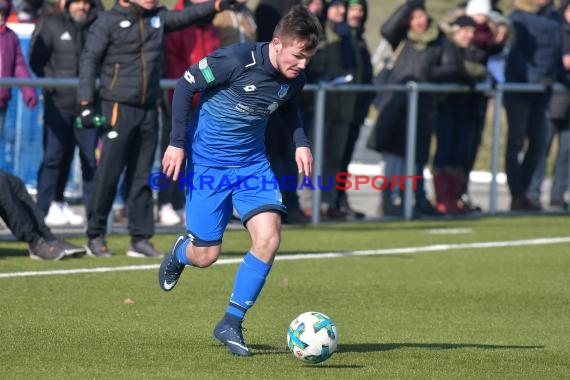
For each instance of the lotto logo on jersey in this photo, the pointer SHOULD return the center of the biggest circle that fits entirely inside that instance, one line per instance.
(189, 77)
(206, 70)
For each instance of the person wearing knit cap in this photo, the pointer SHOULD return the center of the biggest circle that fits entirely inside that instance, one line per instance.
(335, 58)
(356, 16)
(453, 125)
(419, 47)
(483, 46)
(267, 15)
(478, 7)
(316, 7)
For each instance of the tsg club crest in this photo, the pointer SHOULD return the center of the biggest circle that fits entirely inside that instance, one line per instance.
(155, 22)
(283, 91)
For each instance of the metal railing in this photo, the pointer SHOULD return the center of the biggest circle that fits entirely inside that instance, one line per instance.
(412, 89)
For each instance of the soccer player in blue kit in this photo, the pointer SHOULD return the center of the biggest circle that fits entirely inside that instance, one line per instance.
(241, 86)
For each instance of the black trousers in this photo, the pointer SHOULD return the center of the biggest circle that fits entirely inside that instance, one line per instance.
(527, 121)
(59, 140)
(174, 193)
(19, 211)
(131, 144)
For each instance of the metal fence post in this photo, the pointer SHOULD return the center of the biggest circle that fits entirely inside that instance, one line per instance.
(411, 131)
(495, 145)
(319, 128)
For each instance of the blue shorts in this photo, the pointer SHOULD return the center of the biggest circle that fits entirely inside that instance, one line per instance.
(213, 192)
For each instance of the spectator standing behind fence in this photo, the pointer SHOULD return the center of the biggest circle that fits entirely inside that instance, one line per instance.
(182, 48)
(267, 15)
(55, 49)
(127, 42)
(316, 7)
(453, 125)
(418, 48)
(549, 10)
(12, 64)
(558, 115)
(337, 58)
(503, 35)
(26, 221)
(30, 11)
(535, 57)
(236, 25)
(483, 46)
(356, 16)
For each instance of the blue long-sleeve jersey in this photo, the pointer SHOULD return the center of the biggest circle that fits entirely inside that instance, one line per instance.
(240, 90)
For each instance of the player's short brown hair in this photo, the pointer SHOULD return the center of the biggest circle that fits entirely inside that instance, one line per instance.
(300, 24)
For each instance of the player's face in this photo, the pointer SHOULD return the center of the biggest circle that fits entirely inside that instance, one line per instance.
(145, 4)
(291, 56)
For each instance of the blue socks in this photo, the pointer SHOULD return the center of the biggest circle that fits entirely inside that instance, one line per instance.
(181, 252)
(249, 281)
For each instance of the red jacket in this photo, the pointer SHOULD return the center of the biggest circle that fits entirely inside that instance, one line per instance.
(187, 46)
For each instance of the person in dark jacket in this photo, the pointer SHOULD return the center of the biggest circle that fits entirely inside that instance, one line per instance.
(26, 222)
(453, 125)
(12, 64)
(558, 119)
(356, 16)
(419, 48)
(55, 49)
(267, 15)
(127, 43)
(338, 59)
(535, 57)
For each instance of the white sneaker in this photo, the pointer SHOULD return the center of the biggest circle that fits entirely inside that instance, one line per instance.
(55, 217)
(182, 214)
(167, 216)
(71, 217)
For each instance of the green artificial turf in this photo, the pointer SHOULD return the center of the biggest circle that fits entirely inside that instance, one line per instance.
(476, 313)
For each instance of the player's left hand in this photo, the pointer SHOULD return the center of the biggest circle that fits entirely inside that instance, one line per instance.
(172, 161)
(304, 159)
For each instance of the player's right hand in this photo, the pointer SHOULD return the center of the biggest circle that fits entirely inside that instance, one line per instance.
(172, 161)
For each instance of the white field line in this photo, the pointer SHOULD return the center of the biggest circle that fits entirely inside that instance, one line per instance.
(305, 256)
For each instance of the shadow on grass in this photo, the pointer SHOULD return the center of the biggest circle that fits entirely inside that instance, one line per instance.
(12, 252)
(322, 365)
(262, 349)
(372, 347)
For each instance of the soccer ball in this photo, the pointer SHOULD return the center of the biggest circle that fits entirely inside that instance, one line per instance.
(312, 337)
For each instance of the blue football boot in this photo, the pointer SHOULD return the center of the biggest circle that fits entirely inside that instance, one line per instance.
(231, 337)
(170, 268)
